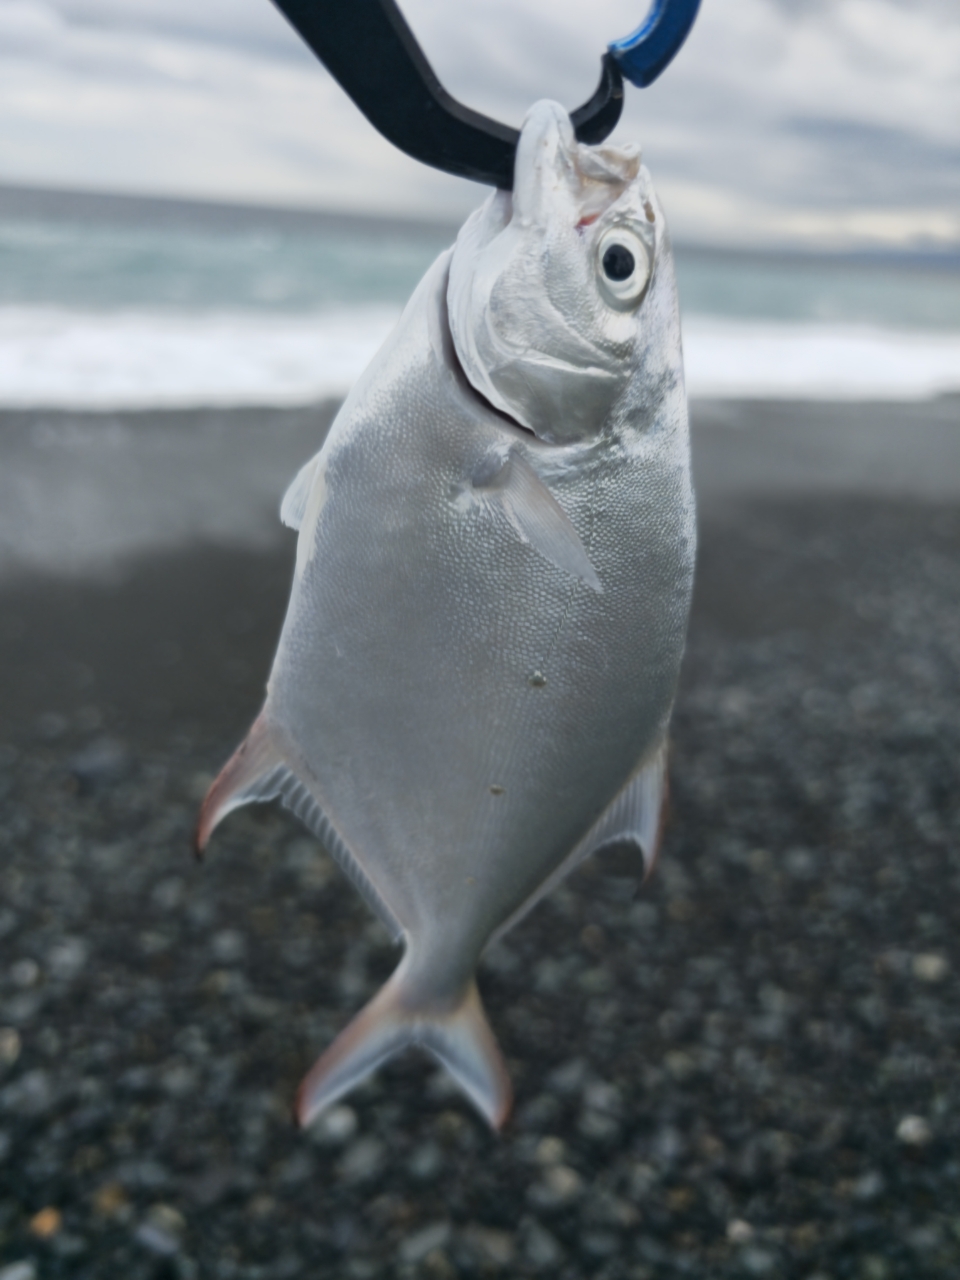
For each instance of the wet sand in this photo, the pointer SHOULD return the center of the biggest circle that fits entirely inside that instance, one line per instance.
(748, 1067)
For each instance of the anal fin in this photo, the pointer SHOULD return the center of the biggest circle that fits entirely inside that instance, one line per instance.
(633, 816)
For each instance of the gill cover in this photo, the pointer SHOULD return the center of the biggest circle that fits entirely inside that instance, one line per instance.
(538, 328)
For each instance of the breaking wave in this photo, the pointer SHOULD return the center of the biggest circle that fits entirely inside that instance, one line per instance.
(64, 358)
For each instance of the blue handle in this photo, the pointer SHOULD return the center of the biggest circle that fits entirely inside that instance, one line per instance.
(644, 54)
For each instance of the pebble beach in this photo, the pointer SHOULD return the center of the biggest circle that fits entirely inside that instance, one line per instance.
(745, 1067)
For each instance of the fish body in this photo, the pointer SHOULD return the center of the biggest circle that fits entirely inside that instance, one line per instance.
(475, 675)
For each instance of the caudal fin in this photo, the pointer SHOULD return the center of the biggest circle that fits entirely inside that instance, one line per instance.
(459, 1038)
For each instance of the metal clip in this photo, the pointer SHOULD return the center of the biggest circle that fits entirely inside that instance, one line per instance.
(370, 51)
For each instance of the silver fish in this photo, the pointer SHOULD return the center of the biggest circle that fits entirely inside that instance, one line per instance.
(474, 680)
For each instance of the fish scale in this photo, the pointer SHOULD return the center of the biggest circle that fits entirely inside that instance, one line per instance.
(475, 675)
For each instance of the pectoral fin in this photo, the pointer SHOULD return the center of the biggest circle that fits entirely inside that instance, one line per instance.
(537, 517)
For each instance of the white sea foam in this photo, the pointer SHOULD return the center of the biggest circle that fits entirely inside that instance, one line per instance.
(139, 359)
(54, 358)
(730, 359)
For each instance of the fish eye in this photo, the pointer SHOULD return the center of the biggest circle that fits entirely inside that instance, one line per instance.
(624, 266)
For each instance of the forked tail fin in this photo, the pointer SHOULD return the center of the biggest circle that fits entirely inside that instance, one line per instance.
(458, 1036)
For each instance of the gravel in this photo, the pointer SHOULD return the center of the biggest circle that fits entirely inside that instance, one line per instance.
(747, 1067)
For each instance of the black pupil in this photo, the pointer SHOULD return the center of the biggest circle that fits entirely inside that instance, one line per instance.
(618, 262)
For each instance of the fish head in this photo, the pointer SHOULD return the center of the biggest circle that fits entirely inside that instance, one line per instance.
(549, 284)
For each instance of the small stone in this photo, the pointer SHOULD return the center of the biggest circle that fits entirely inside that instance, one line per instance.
(423, 1242)
(25, 973)
(739, 1232)
(875, 1267)
(914, 1131)
(179, 1080)
(925, 1239)
(169, 893)
(598, 1125)
(309, 862)
(563, 1181)
(596, 981)
(67, 958)
(22, 1009)
(550, 1151)
(362, 1160)
(32, 1094)
(680, 1199)
(261, 1206)
(929, 967)
(25, 1270)
(51, 725)
(599, 1244)
(801, 863)
(541, 1250)
(154, 943)
(642, 1178)
(145, 1175)
(67, 1245)
(102, 761)
(560, 1185)
(297, 1168)
(425, 1161)
(335, 1127)
(868, 1186)
(111, 1199)
(198, 785)
(569, 1077)
(48, 1042)
(757, 1262)
(228, 946)
(162, 1231)
(45, 1224)
(680, 1065)
(10, 1045)
(490, 1246)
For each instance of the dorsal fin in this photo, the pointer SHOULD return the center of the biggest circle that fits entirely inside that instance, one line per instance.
(294, 505)
(263, 769)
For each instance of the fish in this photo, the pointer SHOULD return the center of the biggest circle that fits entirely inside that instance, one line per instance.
(474, 679)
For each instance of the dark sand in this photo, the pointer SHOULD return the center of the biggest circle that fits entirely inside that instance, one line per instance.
(747, 1068)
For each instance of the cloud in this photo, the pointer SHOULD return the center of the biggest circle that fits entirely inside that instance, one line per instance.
(831, 120)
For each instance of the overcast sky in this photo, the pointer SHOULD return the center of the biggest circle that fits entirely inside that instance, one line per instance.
(835, 121)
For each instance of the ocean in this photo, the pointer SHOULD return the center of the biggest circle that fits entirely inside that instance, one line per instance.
(124, 303)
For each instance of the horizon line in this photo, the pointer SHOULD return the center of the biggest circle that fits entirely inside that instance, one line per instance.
(47, 201)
